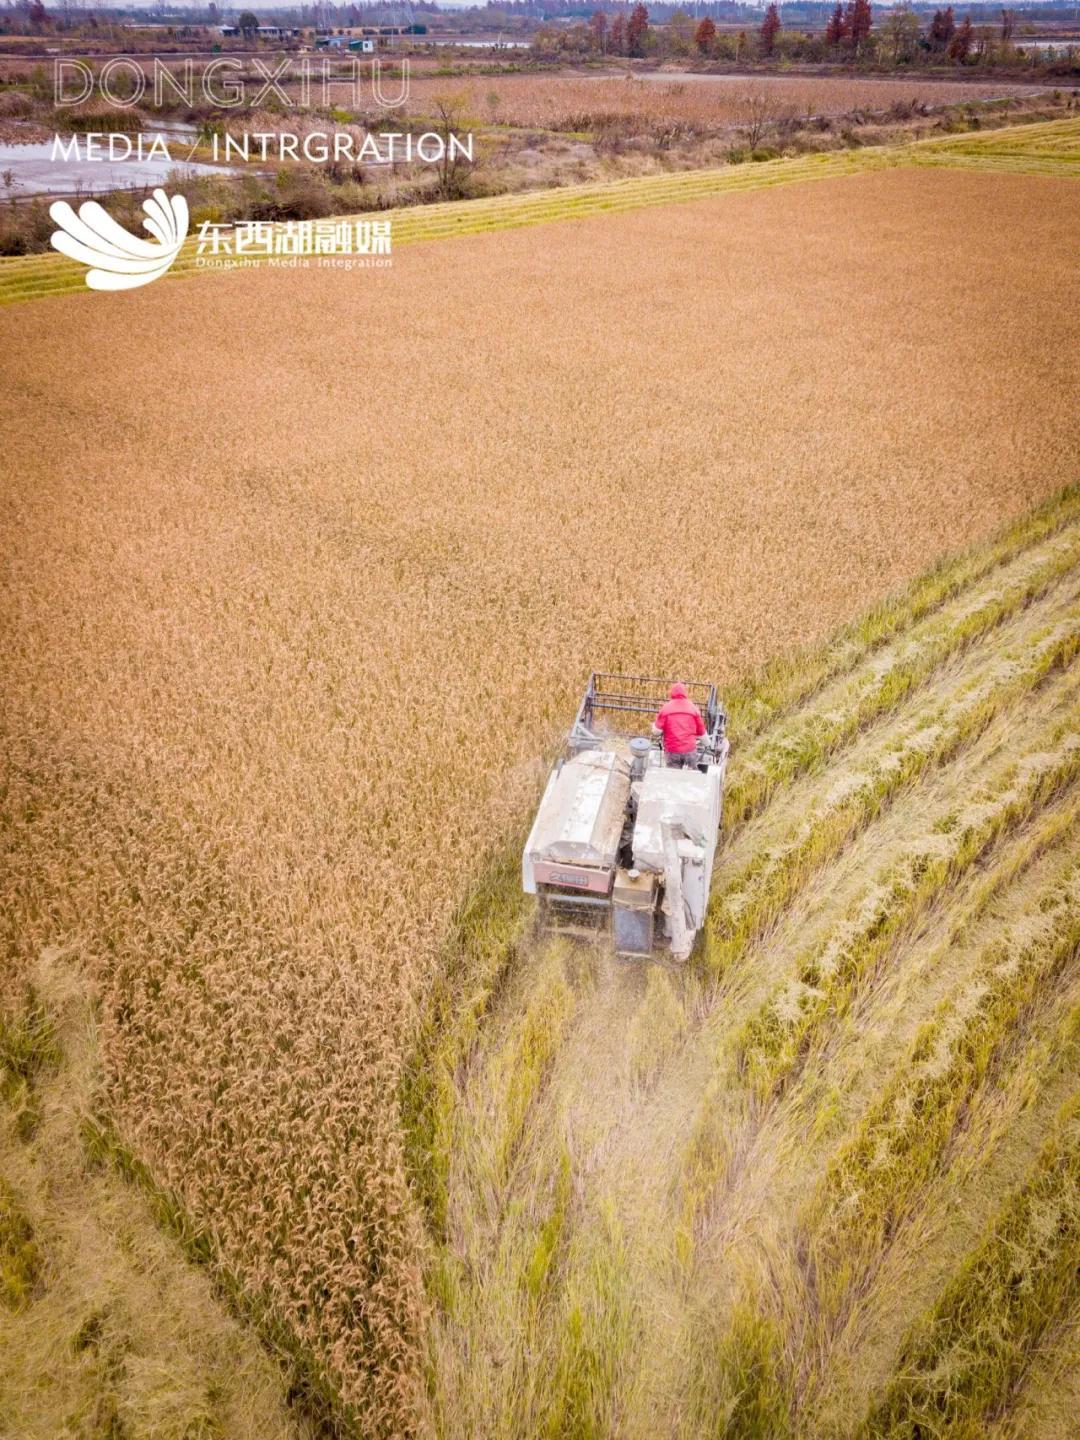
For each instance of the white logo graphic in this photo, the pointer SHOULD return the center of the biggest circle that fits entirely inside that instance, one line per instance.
(118, 259)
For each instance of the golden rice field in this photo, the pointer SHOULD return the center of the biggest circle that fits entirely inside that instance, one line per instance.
(304, 573)
(1047, 148)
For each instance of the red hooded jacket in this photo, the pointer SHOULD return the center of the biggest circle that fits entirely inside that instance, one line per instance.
(680, 722)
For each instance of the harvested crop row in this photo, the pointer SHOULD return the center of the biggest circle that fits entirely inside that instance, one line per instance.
(20, 1255)
(794, 679)
(957, 1369)
(776, 1039)
(776, 1013)
(748, 904)
(791, 750)
(1053, 139)
(883, 1171)
(707, 1157)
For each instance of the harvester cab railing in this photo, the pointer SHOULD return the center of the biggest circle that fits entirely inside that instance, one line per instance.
(615, 704)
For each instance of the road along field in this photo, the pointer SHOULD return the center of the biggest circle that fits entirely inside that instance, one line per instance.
(304, 576)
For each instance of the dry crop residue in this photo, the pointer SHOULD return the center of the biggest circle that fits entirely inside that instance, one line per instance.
(702, 102)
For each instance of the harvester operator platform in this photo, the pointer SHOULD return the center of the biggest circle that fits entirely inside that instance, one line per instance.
(679, 722)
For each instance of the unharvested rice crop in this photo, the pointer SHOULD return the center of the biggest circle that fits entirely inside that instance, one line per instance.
(304, 573)
(1043, 149)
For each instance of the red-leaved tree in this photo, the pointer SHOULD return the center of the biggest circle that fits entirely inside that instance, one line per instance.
(859, 22)
(770, 28)
(637, 28)
(961, 44)
(942, 29)
(705, 36)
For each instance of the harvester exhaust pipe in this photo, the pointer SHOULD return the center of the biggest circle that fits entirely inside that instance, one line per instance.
(639, 751)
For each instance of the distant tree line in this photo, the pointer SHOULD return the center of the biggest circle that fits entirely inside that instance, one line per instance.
(849, 34)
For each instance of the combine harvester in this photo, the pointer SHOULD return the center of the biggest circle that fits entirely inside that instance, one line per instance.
(621, 841)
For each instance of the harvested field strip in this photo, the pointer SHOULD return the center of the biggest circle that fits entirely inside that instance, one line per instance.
(713, 1141)
(804, 745)
(998, 1136)
(1048, 148)
(957, 1370)
(1027, 1057)
(608, 1243)
(882, 1172)
(950, 940)
(593, 1344)
(1053, 138)
(917, 720)
(776, 1039)
(747, 905)
(487, 937)
(1004, 842)
(29, 277)
(1045, 1399)
(792, 680)
(508, 1085)
(1051, 166)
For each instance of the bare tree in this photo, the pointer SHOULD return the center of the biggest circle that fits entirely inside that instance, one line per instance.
(757, 112)
(452, 168)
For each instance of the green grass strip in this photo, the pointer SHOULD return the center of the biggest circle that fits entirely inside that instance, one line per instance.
(594, 1340)
(959, 1367)
(28, 1050)
(20, 1256)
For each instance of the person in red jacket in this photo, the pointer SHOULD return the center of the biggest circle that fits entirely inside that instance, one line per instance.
(679, 722)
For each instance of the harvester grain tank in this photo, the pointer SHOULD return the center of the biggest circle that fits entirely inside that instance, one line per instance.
(621, 842)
